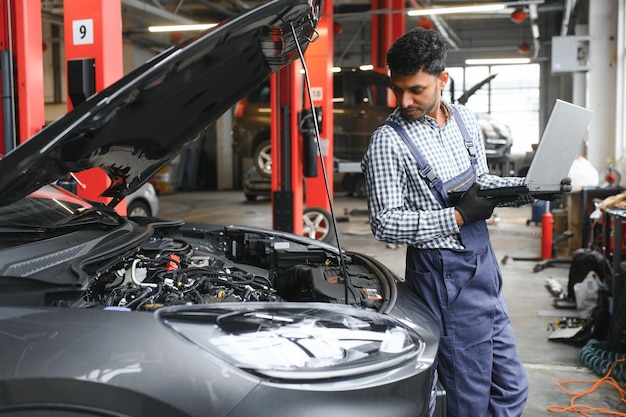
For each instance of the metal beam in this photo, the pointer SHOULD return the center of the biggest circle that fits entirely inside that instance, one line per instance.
(155, 11)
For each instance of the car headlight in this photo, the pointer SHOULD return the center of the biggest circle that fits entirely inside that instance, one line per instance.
(298, 341)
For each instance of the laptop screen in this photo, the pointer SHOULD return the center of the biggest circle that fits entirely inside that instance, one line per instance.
(560, 144)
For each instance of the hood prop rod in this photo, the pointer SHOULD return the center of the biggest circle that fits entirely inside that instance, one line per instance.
(342, 261)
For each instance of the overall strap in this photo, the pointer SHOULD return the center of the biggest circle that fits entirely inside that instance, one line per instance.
(469, 143)
(426, 171)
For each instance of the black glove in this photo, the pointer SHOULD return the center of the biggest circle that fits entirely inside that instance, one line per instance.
(472, 207)
(566, 187)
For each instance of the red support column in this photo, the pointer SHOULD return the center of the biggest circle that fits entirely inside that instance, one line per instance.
(21, 46)
(287, 189)
(386, 28)
(319, 60)
(93, 29)
(28, 52)
(6, 104)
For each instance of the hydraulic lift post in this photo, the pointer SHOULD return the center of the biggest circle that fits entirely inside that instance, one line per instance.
(93, 50)
(386, 28)
(287, 189)
(319, 60)
(290, 102)
(21, 70)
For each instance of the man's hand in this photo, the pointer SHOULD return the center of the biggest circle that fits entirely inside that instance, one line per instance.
(472, 207)
(566, 187)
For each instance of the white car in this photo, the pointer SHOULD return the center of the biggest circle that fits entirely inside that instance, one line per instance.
(143, 202)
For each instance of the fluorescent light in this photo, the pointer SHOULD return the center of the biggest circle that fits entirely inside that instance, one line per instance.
(335, 69)
(366, 67)
(460, 9)
(180, 28)
(497, 61)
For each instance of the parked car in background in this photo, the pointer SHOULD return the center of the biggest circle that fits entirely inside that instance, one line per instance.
(256, 185)
(498, 138)
(143, 202)
(109, 315)
(360, 104)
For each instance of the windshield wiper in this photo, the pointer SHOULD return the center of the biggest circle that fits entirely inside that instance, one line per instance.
(89, 216)
(20, 228)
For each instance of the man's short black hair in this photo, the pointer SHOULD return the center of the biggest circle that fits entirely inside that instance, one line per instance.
(418, 49)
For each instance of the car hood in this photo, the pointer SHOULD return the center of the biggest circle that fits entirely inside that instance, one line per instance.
(137, 125)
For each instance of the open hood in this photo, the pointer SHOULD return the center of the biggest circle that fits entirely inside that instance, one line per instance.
(139, 124)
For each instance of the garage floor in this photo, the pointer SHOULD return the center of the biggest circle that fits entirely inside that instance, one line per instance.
(529, 302)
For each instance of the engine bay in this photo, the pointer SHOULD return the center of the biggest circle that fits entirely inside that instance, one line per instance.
(199, 264)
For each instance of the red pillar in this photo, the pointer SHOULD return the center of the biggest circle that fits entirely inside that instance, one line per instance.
(21, 37)
(29, 64)
(6, 106)
(386, 28)
(287, 190)
(319, 60)
(93, 29)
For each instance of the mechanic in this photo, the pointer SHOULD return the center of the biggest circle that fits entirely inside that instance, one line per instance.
(425, 149)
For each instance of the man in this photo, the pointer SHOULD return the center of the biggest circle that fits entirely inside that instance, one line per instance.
(425, 149)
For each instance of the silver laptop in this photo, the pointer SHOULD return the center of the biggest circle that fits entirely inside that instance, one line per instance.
(558, 147)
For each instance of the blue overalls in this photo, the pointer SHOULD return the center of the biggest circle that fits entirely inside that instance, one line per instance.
(478, 362)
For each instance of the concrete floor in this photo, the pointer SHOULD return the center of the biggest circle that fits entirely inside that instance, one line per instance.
(529, 301)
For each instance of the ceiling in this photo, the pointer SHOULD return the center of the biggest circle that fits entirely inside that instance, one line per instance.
(475, 35)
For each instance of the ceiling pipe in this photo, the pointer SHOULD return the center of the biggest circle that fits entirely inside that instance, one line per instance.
(447, 33)
(567, 15)
(534, 15)
(156, 11)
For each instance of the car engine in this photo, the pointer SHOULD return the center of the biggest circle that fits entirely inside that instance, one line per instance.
(211, 266)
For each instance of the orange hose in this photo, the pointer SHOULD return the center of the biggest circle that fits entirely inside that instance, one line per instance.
(583, 409)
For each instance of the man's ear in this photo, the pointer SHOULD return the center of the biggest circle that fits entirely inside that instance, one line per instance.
(443, 79)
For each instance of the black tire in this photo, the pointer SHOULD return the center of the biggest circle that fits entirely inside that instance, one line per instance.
(360, 190)
(250, 197)
(318, 225)
(262, 157)
(138, 208)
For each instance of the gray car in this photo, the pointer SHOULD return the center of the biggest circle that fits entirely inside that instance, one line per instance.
(144, 202)
(105, 315)
(360, 104)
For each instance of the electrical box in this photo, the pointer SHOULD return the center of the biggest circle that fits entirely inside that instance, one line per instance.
(570, 53)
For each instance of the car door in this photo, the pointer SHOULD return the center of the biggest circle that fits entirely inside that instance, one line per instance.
(360, 105)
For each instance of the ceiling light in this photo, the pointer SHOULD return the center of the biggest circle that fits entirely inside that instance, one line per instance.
(180, 28)
(368, 67)
(460, 9)
(497, 61)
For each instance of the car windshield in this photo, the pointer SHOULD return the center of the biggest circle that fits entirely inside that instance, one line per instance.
(46, 208)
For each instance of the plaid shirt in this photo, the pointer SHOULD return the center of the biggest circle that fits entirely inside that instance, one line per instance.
(402, 208)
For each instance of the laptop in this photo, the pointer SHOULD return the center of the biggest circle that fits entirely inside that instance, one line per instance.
(558, 147)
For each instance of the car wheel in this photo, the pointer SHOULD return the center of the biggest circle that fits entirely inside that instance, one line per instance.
(360, 190)
(263, 158)
(250, 197)
(318, 225)
(138, 209)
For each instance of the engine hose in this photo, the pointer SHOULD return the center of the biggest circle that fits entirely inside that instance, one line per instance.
(594, 356)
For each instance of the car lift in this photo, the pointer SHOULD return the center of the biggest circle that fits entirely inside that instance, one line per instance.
(292, 151)
(21, 70)
(294, 143)
(94, 61)
(93, 50)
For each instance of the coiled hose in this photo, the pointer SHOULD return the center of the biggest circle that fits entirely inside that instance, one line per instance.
(594, 356)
